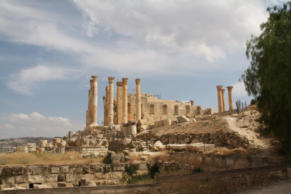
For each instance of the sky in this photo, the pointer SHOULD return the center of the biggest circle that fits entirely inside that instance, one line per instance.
(181, 49)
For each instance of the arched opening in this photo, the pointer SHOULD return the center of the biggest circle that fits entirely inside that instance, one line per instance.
(165, 109)
(176, 110)
(152, 109)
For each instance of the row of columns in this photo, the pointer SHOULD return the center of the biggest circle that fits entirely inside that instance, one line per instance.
(221, 99)
(121, 102)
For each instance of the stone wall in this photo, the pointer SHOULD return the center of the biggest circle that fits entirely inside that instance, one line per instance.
(219, 138)
(155, 109)
(51, 176)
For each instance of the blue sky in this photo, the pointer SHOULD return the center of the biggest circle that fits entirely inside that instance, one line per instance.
(180, 49)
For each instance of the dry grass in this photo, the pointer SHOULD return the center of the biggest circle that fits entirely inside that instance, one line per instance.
(45, 158)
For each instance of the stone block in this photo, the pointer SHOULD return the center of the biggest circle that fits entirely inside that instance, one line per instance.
(98, 175)
(35, 179)
(62, 184)
(20, 179)
(36, 170)
(55, 170)
(182, 119)
(159, 146)
(21, 186)
(71, 178)
(162, 123)
(51, 178)
(8, 182)
(91, 183)
(42, 186)
(65, 169)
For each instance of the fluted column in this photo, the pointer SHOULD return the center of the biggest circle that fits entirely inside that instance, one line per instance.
(106, 105)
(125, 100)
(223, 100)
(119, 102)
(111, 101)
(91, 113)
(138, 100)
(219, 87)
(230, 103)
(104, 110)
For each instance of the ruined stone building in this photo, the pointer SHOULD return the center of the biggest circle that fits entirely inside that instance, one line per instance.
(138, 107)
(155, 109)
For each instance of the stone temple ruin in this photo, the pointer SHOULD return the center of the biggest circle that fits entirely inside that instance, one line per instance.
(140, 108)
(125, 116)
(143, 135)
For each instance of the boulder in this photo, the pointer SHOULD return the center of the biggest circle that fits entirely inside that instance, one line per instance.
(182, 119)
(159, 146)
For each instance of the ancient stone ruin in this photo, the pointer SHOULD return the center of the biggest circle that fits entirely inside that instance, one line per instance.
(141, 133)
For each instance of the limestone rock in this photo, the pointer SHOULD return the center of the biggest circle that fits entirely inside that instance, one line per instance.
(159, 146)
(182, 119)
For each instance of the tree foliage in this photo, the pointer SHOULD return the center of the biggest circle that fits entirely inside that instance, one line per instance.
(268, 78)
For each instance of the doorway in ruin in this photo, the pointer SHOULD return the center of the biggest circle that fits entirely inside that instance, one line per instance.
(165, 109)
(176, 110)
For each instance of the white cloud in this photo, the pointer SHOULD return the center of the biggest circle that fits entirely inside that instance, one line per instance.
(239, 90)
(150, 36)
(175, 24)
(26, 80)
(34, 124)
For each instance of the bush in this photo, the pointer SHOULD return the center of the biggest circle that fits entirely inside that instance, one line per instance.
(131, 169)
(153, 170)
(107, 159)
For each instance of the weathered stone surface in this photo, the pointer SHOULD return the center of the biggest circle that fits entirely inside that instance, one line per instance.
(51, 178)
(182, 119)
(42, 186)
(159, 146)
(20, 179)
(64, 169)
(35, 179)
(55, 170)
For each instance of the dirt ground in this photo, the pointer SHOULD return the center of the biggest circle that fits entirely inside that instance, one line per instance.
(283, 187)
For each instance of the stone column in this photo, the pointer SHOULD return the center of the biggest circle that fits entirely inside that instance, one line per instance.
(230, 104)
(223, 100)
(111, 101)
(107, 103)
(219, 87)
(91, 113)
(104, 111)
(125, 100)
(138, 100)
(119, 102)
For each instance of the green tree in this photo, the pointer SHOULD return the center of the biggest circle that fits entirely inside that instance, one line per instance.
(268, 78)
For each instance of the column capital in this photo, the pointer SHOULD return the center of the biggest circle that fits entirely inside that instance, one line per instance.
(222, 89)
(229, 87)
(111, 79)
(219, 87)
(137, 81)
(94, 77)
(125, 80)
(119, 84)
